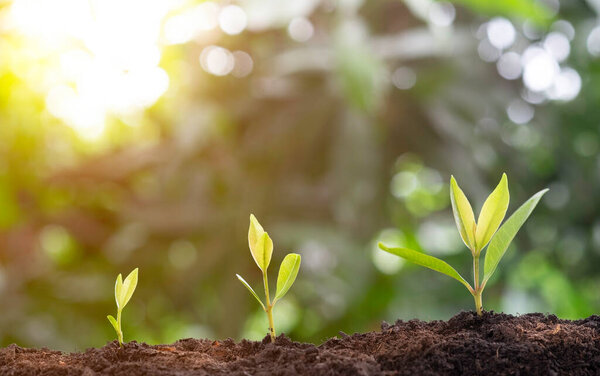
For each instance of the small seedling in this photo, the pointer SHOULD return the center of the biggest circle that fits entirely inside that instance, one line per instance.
(261, 248)
(123, 292)
(476, 235)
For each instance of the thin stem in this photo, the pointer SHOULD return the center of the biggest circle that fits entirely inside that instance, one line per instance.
(476, 272)
(269, 307)
(478, 289)
(271, 324)
(120, 332)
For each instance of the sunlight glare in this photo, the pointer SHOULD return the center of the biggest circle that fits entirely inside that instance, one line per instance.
(183, 27)
(100, 58)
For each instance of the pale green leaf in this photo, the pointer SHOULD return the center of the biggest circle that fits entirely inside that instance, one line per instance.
(261, 245)
(251, 290)
(463, 214)
(113, 322)
(428, 262)
(492, 213)
(287, 274)
(129, 286)
(118, 289)
(500, 242)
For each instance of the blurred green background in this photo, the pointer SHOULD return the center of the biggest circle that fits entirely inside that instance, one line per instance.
(144, 133)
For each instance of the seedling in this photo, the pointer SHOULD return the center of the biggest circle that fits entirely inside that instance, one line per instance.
(123, 292)
(261, 248)
(476, 235)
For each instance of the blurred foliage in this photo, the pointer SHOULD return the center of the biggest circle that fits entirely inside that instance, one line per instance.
(335, 142)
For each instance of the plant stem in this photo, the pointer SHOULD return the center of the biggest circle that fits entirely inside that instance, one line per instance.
(271, 324)
(120, 332)
(478, 289)
(269, 307)
(478, 304)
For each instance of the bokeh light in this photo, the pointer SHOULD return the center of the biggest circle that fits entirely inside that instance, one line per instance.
(593, 41)
(520, 112)
(217, 60)
(300, 29)
(404, 78)
(232, 19)
(501, 33)
(558, 45)
(539, 69)
(566, 85)
(441, 13)
(509, 65)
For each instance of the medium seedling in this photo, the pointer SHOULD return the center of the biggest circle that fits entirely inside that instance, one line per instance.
(477, 235)
(261, 248)
(123, 292)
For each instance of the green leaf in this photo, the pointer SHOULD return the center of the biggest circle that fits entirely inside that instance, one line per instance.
(500, 242)
(428, 262)
(287, 274)
(534, 10)
(251, 290)
(113, 322)
(492, 213)
(463, 214)
(118, 289)
(261, 245)
(128, 288)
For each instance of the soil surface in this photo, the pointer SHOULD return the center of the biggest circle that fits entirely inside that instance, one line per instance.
(495, 344)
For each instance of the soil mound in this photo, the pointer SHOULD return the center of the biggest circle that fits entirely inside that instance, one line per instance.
(494, 344)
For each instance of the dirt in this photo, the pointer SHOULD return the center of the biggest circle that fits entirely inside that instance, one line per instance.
(494, 344)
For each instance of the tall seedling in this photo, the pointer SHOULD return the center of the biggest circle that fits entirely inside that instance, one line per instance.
(261, 248)
(477, 235)
(123, 292)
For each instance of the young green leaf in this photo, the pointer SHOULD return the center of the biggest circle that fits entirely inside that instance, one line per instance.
(500, 242)
(251, 290)
(261, 245)
(287, 274)
(463, 214)
(428, 262)
(492, 213)
(113, 322)
(128, 287)
(118, 289)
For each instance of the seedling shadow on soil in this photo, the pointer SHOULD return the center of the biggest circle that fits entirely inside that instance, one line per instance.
(494, 344)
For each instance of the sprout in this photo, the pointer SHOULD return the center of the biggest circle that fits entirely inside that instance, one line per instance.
(123, 292)
(477, 235)
(261, 248)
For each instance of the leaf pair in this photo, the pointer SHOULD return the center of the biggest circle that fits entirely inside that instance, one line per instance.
(285, 279)
(124, 290)
(476, 235)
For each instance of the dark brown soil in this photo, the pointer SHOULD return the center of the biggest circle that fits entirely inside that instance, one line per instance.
(495, 344)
